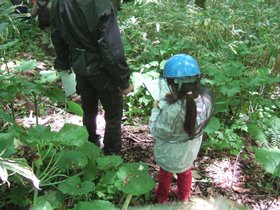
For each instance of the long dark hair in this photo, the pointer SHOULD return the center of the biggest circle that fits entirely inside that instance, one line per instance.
(187, 92)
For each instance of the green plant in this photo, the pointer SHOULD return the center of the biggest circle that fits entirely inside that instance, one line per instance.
(238, 53)
(230, 51)
(12, 168)
(270, 158)
(264, 129)
(8, 29)
(16, 166)
(18, 84)
(65, 160)
(226, 140)
(264, 126)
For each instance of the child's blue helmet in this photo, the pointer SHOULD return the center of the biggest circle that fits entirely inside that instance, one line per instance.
(181, 66)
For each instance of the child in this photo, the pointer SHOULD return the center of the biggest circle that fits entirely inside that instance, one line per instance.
(178, 127)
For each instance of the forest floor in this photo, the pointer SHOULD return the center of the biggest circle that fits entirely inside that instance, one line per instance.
(239, 180)
(215, 174)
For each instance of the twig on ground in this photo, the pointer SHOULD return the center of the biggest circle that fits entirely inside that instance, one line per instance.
(131, 136)
(234, 169)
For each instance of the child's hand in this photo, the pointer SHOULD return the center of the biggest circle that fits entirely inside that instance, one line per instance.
(155, 104)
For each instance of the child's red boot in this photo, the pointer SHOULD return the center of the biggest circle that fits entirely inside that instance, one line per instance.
(184, 183)
(162, 190)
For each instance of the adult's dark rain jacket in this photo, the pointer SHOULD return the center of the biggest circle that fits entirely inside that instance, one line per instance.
(86, 37)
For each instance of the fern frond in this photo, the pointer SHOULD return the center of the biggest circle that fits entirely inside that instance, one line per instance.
(274, 133)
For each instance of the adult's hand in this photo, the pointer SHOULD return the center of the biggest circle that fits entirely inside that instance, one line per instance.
(69, 71)
(128, 90)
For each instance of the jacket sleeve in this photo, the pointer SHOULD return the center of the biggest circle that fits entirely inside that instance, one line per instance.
(161, 124)
(62, 49)
(154, 115)
(112, 51)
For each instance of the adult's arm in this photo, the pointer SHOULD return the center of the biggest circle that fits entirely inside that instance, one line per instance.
(111, 48)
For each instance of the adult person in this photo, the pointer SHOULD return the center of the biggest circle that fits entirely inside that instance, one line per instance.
(178, 127)
(21, 6)
(87, 38)
(41, 8)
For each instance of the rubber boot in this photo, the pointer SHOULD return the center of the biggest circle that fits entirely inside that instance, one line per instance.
(164, 181)
(184, 183)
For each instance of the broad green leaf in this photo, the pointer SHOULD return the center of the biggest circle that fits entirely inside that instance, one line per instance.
(151, 74)
(107, 162)
(91, 150)
(277, 103)
(6, 117)
(55, 198)
(233, 69)
(95, 205)
(20, 167)
(230, 89)
(42, 206)
(257, 133)
(7, 144)
(68, 159)
(30, 88)
(39, 134)
(221, 105)
(221, 79)
(20, 197)
(3, 27)
(108, 178)
(211, 70)
(162, 64)
(214, 125)
(48, 76)
(55, 94)
(262, 78)
(134, 179)
(9, 94)
(270, 159)
(154, 63)
(17, 131)
(74, 186)
(72, 135)
(26, 65)
(8, 45)
(90, 170)
(75, 108)
(208, 81)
